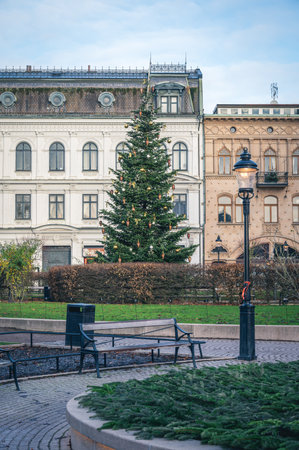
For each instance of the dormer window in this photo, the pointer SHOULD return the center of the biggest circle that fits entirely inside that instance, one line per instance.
(168, 97)
(169, 104)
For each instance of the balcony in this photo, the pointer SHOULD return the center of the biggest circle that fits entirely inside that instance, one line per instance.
(271, 179)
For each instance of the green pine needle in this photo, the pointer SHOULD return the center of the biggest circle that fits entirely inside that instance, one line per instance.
(245, 406)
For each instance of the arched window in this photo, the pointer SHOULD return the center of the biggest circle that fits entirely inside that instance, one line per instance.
(296, 209)
(224, 162)
(224, 209)
(90, 157)
(164, 148)
(56, 157)
(180, 156)
(122, 147)
(271, 209)
(296, 162)
(23, 157)
(239, 210)
(270, 160)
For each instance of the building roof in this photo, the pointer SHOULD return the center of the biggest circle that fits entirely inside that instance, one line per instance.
(92, 92)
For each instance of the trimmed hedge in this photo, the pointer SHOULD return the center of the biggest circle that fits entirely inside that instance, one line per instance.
(161, 283)
(124, 283)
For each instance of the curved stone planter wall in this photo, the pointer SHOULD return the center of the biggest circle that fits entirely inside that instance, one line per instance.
(85, 436)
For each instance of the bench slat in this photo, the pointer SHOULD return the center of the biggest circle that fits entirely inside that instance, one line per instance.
(127, 324)
(141, 347)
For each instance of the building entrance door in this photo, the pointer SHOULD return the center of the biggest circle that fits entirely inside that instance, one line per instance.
(56, 256)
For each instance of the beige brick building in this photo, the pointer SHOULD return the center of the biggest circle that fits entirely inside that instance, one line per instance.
(271, 133)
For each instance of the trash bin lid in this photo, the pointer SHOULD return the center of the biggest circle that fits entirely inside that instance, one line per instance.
(79, 304)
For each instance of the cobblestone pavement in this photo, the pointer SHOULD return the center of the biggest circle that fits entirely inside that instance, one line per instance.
(34, 418)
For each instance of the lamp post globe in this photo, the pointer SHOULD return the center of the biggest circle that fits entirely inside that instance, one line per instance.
(246, 170)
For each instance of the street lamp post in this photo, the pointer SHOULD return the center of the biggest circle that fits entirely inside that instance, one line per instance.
(218, 249)
(285, 247)
(246, 170)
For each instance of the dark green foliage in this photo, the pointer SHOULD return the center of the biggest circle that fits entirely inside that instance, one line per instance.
(139, 223)
(245, 406)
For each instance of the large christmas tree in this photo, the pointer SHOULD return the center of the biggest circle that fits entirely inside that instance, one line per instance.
(139, 223)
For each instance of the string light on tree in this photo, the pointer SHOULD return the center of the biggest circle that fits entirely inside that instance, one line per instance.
(139, 216)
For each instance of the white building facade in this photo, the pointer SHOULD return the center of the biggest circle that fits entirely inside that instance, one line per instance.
(61, 132)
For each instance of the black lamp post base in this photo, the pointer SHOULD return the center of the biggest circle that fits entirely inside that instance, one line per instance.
(247, 338)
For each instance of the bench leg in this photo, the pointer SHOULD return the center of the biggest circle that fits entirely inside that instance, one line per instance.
(152, 355)
(105, 359)
(176, 354)
(193, 355)
(200, 352)
(14, 371)
(81, 362)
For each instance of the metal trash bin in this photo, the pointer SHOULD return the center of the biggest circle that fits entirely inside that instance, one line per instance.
(47, 294)
(78, 313)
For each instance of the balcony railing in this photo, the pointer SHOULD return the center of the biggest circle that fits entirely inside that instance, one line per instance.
(272, 179)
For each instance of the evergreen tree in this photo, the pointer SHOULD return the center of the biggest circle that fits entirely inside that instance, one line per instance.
(139, 223)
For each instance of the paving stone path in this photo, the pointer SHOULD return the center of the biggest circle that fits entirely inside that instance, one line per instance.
(34, 418)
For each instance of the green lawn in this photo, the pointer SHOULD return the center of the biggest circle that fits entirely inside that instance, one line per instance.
(222, 314)
(245, 406)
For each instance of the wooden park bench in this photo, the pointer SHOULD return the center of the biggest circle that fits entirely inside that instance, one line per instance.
(135, 330)
(11, 364)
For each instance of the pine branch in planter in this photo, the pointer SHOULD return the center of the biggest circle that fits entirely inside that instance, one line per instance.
(244, 406)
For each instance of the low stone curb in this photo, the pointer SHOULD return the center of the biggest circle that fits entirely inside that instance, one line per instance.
(114, 368)
(202, 331)
(85, 435)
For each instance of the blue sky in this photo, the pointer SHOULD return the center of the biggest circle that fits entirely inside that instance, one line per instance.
(241, 46)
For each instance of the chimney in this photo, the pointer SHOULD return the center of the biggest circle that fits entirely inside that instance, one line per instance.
(88, 67)
(28, 68)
